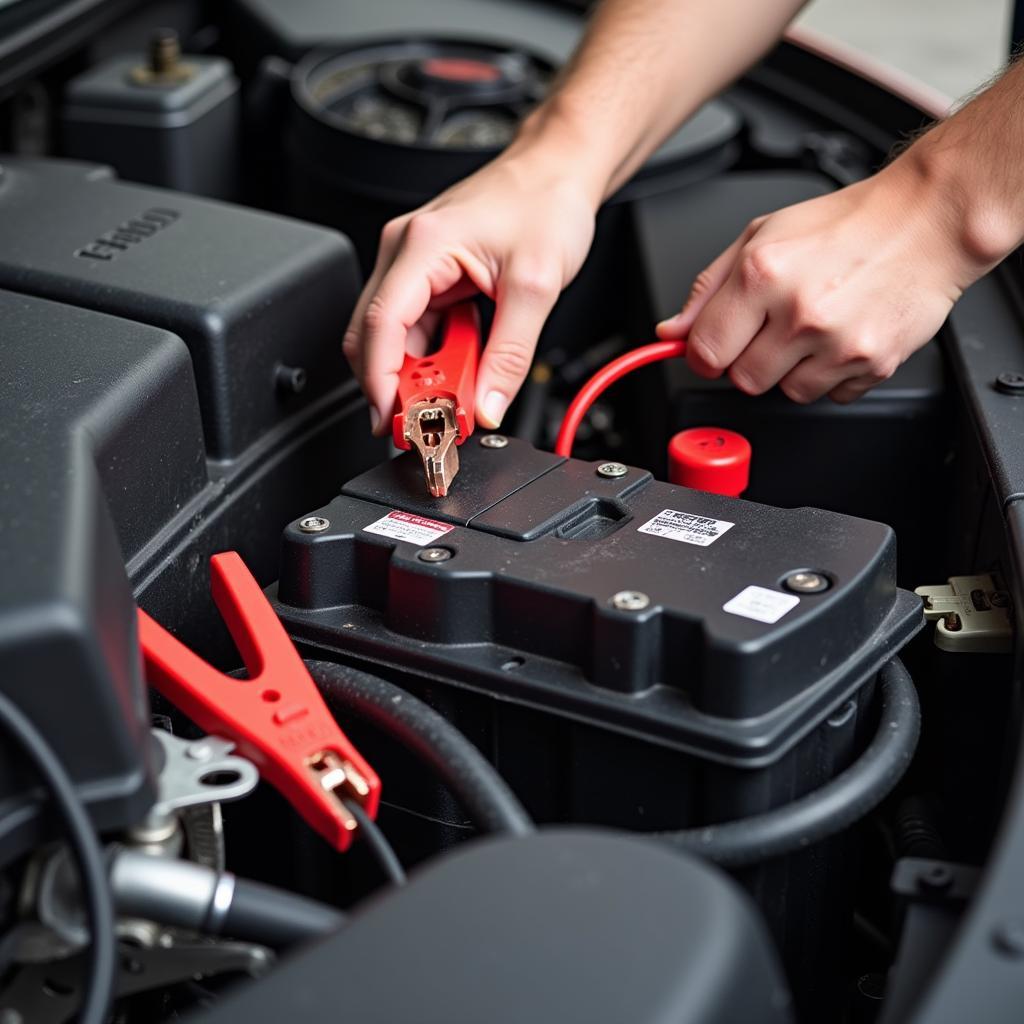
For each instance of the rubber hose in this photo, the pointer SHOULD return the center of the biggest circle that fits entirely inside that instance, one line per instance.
(830, 808)
(471, 778)
(265, 914)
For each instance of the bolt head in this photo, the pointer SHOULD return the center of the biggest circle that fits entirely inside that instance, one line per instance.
(612, 470)
(1010, 383)
(494, 441)
(806, 582)
(630, 601)
(434, 555)
(314, 524)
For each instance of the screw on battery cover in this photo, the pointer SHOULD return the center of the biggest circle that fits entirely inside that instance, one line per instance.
(494, 441)
(1010, 383)
(806, 582)
(314, 524)
(612, 470)
(434, 555)
(630, 601)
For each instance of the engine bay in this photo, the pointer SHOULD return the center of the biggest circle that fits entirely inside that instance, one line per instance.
(580, 739)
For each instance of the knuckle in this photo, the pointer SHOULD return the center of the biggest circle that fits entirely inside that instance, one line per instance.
(508, 360)
(760, 266)
(351, 344)
(375, 317)
(703, 347)
(423, 227)
(533, 281)
(701, 284)
(808, 314)
(391, 233)
(883, 367)
(862, 349)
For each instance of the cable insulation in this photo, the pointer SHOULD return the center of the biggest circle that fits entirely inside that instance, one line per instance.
(470, 777)
(831, 808)
(604, 379)
(375, 839)
(89, 857)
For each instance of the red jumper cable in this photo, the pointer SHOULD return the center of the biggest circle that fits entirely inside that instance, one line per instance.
(276, 717)
(604, 379)
(702, 458)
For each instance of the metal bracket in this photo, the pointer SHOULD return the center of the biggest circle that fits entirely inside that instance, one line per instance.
(200, 771)
(971, 613)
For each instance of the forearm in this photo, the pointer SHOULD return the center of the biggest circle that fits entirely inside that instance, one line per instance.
(643, 67)
(969, 169)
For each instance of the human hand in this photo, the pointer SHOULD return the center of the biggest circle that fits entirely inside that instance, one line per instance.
(518, 230)
(829, 296)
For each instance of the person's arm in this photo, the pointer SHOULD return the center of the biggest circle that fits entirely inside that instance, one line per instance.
(828, 297)
(519, 229)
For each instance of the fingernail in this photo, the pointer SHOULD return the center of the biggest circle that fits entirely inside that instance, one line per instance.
(493, 408)
(374, 419)
(670, 319)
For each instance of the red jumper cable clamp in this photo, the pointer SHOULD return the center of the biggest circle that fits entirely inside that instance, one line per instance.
(434, 409)
(276, 717)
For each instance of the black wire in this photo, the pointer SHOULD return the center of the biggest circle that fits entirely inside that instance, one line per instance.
(471, 778)
(378, 844)
(831, 808)
(89, 856)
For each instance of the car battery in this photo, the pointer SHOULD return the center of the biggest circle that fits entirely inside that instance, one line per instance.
(628, 652)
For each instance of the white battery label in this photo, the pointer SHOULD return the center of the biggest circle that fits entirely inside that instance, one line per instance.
(685, 526)
(761, 604)
(412, 529)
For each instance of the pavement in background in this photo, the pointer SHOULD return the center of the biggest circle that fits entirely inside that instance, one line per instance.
(951, 45)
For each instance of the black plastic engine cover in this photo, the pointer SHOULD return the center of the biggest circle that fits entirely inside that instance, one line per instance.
(565, 925)
(87, 461)
(254, 296)
(523, 607)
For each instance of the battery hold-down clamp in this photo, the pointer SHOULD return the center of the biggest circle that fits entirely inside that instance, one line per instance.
(434, 409)
(275, 717)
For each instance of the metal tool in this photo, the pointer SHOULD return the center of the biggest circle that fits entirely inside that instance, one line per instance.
(434, 412)
(276, 717)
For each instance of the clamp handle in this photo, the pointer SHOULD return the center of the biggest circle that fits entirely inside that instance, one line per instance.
(276, 717)
(449, 373)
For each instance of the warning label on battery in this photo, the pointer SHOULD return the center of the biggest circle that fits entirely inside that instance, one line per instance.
(685, 526)
(412, 529)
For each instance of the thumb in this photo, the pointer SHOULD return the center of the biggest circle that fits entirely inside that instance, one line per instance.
(525, 297)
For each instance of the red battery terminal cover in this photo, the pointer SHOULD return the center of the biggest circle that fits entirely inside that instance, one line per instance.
(276, 717)
(710, 459)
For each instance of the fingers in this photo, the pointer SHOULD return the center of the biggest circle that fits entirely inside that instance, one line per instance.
(769, 358)
(391, 317)
(526, 294)
(852, 389)
(705, 286)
